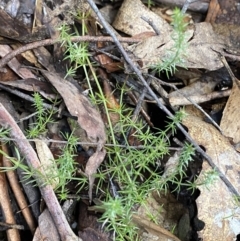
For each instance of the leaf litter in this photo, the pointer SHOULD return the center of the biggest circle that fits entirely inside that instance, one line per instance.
(216, 208)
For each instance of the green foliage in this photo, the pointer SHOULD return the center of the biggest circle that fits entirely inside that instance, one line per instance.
(43, 117)
(67, 167)
(175, 56)
(77, 53)
(133, 169)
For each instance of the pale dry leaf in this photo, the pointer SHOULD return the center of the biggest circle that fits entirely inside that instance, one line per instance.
(199, 87)
(216, 206)
(230, 120)
(200, 53)
(48, 164)
(129, 21)
(218, 210)
(91, 168)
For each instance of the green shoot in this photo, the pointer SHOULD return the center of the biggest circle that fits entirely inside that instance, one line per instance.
(43, 117)
(175, 56)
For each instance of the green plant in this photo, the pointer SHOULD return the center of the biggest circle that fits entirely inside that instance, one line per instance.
(42, 119)
(131, 168)
(134, 169)
(175, 56)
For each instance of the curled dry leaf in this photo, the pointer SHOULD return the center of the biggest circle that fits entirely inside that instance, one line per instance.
(216, 205)
(88, 119)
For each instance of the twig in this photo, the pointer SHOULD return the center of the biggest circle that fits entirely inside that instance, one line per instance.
(6, 207)
(17, 190)
(152, 24)
(7, 122)
(160, 105)
(31, 99)
(46, 42)
(8, 226)
(139, 108)
(186, 5)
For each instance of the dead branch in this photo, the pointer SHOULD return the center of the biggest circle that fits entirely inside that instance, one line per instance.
(7, 122)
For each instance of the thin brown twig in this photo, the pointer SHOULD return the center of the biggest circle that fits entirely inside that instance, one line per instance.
(46, 42)
(16, 188)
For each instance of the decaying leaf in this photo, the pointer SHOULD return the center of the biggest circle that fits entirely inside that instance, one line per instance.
(88, 119)
(229, 126)
(200, 87)
(203, 41)
(216, 206)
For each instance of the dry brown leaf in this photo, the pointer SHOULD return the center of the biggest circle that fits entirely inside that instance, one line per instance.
(129, 21)
(152, 231)
(28, 55)
(79, 106)
(15, 65)
(216, 206)
(230, 120)
(89, 120)
(31, 84)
